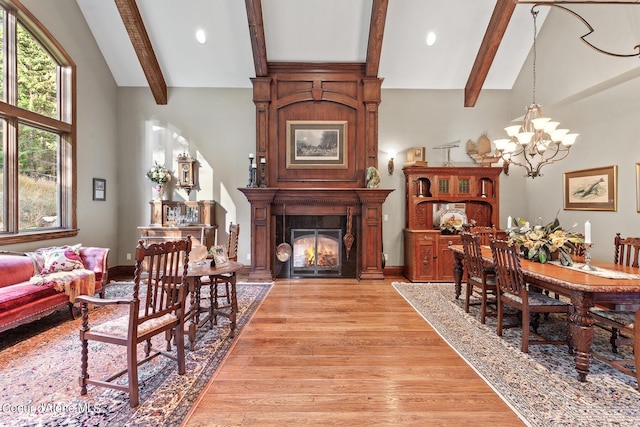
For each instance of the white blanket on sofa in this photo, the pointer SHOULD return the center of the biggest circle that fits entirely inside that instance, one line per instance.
(72, 283)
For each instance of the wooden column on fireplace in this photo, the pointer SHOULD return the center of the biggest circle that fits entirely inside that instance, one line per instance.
(268, 203)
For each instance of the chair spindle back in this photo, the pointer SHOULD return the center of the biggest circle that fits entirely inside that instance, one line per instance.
(627, 250)
(232, 248)
(508, 269)
(165, 265)
(472, 254)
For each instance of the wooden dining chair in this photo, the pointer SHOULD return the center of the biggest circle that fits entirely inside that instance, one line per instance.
(232, 254)
(484, 233)
(512, 291)
(619, 321)
(220, 285)
(481, 278)
(156, 306)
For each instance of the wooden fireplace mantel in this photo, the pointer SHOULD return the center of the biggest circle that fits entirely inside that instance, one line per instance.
(267, 203)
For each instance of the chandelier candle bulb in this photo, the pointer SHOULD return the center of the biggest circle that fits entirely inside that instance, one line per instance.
(512, 130)
(587, 232)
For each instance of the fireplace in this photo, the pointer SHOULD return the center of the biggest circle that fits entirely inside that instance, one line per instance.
(318, 247)
(316, 208)
(316, 252)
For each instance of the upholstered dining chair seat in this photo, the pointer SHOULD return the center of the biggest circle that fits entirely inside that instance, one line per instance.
(537, 299)
(119, 327)
(491, 280)
(621, 317)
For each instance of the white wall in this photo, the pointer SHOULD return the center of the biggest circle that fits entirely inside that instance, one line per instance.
(219, 124)
(596, 96)
(430, 118)
(121, 131)
(96, 125)
(216, 126)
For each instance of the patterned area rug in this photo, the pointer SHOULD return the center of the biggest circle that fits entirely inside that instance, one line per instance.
(541, 386)
(40, 365)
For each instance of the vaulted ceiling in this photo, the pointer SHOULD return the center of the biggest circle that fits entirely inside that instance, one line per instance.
(480, 43)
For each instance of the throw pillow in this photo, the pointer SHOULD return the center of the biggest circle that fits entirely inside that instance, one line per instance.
(62, 259)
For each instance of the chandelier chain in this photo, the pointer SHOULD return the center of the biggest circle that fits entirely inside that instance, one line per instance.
(535, 53)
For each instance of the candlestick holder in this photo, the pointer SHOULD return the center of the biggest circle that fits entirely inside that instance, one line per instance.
(263, 173)
(252, 174)
(587, 257)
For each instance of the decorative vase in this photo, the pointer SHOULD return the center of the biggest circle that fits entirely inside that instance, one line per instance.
(159, 192)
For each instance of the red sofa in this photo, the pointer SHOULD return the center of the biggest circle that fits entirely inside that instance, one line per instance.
(26, 294)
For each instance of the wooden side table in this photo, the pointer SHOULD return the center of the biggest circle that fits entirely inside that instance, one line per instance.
(194, 277)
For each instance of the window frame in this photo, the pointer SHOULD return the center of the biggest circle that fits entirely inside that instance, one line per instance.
(65, 127)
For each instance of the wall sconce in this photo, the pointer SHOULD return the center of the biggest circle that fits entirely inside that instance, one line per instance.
(390, 166)
(187, 172)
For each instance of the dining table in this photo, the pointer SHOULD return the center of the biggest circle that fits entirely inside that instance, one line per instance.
(585, 284)
(195, 274)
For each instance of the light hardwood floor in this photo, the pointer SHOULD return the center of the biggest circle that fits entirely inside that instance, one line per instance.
(326, 352)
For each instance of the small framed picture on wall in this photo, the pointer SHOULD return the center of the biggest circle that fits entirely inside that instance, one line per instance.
(99, 189)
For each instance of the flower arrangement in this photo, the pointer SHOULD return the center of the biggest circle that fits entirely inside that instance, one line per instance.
(158, 174)
(542, 242)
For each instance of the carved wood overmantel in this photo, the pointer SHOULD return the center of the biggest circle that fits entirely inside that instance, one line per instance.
(289, 94)
(267, 203)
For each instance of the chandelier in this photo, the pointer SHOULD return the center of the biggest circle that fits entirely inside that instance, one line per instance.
(537, 141)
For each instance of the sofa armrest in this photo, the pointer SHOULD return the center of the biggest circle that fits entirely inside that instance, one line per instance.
(96, 259)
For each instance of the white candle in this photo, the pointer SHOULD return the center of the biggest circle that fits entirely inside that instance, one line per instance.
(587, 232)
(251, 155)
(263, 160)
(509, 222)
(253, 165)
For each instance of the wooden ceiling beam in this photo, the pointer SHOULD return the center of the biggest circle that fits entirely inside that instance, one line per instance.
(492, 38)
(256, 33)
(376, 32)
(132, 20)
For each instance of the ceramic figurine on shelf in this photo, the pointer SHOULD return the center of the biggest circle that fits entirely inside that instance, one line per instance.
(373, 177)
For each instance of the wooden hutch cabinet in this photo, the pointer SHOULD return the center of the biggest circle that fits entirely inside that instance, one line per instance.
(171, 219)
(430, 191)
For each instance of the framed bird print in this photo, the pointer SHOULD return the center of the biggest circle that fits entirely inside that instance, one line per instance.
(593, 189)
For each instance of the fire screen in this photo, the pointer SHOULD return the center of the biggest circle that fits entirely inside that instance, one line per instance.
(316, 252)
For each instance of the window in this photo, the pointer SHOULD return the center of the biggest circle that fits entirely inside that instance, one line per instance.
(37, 164)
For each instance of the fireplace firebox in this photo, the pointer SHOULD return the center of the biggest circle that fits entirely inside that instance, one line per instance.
(318, 248)
(316, 252)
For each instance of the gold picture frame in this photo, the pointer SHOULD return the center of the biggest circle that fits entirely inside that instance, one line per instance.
(316, 144)
(593, 189)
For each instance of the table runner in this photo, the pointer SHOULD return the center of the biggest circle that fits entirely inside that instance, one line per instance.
(599, 271)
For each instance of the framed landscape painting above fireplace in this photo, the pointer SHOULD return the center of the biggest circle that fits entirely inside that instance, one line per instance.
(316, 144)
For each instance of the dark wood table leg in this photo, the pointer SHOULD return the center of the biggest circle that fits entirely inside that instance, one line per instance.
(581, 329)
(194, 310)
(234, 305)
(457, 273)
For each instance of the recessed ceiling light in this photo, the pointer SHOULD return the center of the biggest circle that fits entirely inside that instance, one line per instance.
(431, 38)
(201, 36)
